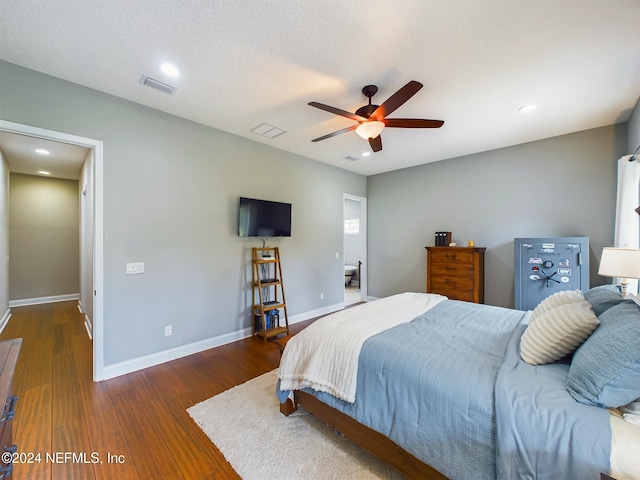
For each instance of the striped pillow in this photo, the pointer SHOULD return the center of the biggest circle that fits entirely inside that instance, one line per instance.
(563, 297)
(557, 332)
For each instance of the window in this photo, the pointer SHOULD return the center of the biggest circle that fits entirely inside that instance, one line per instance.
(352, 226)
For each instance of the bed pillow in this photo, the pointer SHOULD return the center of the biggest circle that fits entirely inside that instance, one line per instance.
(603, 298)
(557, 332)
(563, 297)
(605, 370)
(631, 412)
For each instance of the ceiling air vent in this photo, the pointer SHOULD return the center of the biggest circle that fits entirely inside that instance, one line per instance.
(267, 130)
(157, 84)
(351, 158)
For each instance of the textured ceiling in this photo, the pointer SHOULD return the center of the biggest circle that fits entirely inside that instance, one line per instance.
(247, 62)
(62, 161)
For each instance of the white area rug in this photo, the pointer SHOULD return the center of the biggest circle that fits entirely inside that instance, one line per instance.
(260, 443)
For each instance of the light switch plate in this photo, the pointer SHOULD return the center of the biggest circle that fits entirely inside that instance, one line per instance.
(135, 268)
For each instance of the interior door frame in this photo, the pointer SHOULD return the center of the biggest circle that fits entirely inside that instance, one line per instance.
(363, 243)
(98, 246)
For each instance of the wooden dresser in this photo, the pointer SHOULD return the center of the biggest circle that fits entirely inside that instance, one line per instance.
(457, 272)
(8, 357)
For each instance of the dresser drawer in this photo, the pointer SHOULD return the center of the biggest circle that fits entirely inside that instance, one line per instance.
(451, 284)
(452, 269)
(451, 255)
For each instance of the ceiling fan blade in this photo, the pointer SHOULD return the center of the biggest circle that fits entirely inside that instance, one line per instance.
(376, 143)
(396, 100)
(412, 123)
(329, 135)
(337, 111)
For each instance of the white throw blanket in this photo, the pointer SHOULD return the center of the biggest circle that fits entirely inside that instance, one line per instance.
(324, 356)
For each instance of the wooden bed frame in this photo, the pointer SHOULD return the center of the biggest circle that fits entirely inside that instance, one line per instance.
(376, 443)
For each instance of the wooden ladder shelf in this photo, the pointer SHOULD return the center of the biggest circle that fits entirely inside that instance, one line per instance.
(268, 294)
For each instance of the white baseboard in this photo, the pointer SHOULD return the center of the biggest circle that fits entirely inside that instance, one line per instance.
(301, 317)
(88, 326)
(128, 366)
(5, 319)
(37, 301)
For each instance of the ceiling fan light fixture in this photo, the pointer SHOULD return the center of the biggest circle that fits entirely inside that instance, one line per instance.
(370, 129)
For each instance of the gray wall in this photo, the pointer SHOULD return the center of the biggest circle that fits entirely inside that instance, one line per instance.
(4, 236)
(43, 237)
(562, 186)
(171, 189)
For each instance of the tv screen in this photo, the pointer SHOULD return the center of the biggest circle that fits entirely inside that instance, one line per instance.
(262, 218)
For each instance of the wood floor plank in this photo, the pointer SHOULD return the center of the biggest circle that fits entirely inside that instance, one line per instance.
(195, 461)
(182, 403)
(33, 434)
(73, 456)
(64, 377)
(169, 384)
(83, 355)
(119, 384)
(105, 435)
(40, 368)
(152, 457)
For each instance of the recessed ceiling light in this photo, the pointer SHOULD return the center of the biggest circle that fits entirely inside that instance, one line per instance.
(366, 154)
(169, 69)
(528, 108)
(44, 172)
(42, 151)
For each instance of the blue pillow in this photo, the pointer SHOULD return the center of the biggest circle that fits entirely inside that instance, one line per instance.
(603, 297)
(605, 370)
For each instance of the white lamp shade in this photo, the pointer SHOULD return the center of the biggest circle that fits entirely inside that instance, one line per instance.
(620, 262)
(370, 129)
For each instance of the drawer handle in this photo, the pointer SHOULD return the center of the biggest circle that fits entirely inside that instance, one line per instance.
(5, 472)
(10, 407)
(450, 257)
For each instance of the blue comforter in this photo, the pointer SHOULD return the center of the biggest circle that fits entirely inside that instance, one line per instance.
(438, 387)
(543, 433)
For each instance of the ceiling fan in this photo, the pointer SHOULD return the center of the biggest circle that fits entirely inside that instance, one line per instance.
(372, 118)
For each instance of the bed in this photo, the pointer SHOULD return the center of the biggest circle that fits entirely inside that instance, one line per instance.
(439, 389)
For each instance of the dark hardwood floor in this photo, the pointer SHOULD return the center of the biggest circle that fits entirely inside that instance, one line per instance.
(136, 424)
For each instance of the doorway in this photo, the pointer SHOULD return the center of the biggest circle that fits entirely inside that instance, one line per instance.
(354, 214)
(93, 262)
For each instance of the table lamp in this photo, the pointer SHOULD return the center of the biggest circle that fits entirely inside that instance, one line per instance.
(622, 263)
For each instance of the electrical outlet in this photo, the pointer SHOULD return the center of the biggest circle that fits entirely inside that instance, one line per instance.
(168, 331)
(321, 296)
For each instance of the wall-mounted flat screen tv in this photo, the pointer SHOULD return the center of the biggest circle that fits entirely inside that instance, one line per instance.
(262, 218)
